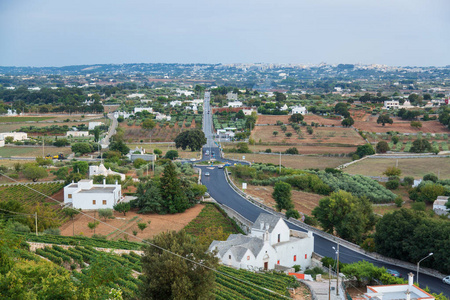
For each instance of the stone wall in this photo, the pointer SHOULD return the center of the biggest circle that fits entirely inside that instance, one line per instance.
(34, 246)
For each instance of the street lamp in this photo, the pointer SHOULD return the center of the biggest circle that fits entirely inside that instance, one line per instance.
(430, 254)
(337, 269)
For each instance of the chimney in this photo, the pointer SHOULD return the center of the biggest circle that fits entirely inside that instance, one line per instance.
(310, 234)
(104, 181)
(410, 279)
(117, 183)
(267, 226)
(261, 225)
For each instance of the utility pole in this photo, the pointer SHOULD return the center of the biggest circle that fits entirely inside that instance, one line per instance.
(337, 269)
(280, 162)
(329, 282)
(35, 221)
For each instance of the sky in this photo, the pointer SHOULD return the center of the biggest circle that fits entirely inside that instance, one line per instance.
(60, 33)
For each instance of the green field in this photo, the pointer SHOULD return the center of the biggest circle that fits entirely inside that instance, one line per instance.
(211, 217)
(415, 167)
(23, 119)
(32, 151)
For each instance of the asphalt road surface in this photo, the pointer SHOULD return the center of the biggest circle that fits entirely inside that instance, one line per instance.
(221, 191)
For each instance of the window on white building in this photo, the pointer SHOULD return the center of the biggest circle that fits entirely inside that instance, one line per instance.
(93, 202)
(295, 257)
(104, 202)
(69, 196)
(248, 257)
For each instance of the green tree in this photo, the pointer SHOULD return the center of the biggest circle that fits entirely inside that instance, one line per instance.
(119, 146)
(382, 147)
(34, 172)
(82, 148)
(138, 162)
(349, 216)
(157, 151)
(283, 128)
(240, 115)
(171, 190)
(74, 177)
(96, 134)
(416, 124)
(420, 146)
(122, 207)
(275, 133)
(81, 167)
(148, 124)
(383, 119)
(392, 171)
(106, 213)
(292, 213)
(282, 196)
(171, 154)
(142, 226)
(364, 150)
(193, 139)
(61, 143)
(93, 225)
(149, 199)
(71, 213)
(296, 118)
(288, 134)
(347, 122)
(169, 276)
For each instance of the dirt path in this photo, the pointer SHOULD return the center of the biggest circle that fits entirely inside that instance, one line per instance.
(155, 224)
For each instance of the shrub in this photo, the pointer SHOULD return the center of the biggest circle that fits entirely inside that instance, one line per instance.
(418, 206)
(398, 201)
(292, 213)
(382, 147)
(430, 177)
(408, 181)
(268, 150)
(52, 231)
(311, 221)
(392, 171)
(292, 150)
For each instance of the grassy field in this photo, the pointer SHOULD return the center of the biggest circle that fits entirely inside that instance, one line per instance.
(23, 119)
(415, 167)
(293, 161)
(32, 151)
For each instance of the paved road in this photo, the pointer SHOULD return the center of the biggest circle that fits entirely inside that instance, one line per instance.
(221, 191)
(112, 130)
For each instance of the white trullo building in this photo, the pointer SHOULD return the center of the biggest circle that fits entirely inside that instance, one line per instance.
(102, 170)
(270, 243)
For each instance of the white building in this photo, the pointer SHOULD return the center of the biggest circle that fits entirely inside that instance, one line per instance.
(270, 243)
(284, 107)
(298, 109)
(101, 170)
(11, 113)
(77, 133)
(439, 205)
(248, 112)
(184, 92)
(135, 95)
(235, 104)
(140, 109)
(175, 103)
(87, 195)
(125, 115)
(17, 136)
(160, 116)
(391, 104)
(2, 143)
(397, 291)
(92, 125)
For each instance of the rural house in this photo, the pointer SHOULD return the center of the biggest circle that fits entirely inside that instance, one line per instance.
(270, 243)
(298, 110)
(102, 170)
(86, 195)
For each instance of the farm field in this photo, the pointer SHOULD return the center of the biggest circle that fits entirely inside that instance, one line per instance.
(164, 147)
(402, 126)
(321, 135)
(293, 161)
(271, 119)
(18, 125)
(135, 133)
(49, 212)
(31, 151)
(302, 149)
(128, 223)
(415, 167)
(23, 119)
(303, 202)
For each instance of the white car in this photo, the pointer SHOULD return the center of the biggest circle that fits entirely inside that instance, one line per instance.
(446, 280)
(207, 174)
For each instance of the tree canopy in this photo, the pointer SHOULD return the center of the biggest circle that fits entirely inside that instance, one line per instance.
(193, 139)
(169, 276)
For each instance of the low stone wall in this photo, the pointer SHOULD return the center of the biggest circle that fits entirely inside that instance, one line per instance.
(34, 246)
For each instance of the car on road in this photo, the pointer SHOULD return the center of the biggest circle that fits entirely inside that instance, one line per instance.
(220, 166)
(207, 174)
(394, 273)
(446, 280)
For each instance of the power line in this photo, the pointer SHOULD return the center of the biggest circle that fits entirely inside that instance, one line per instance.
(151, 244)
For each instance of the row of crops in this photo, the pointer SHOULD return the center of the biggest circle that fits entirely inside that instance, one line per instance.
(81, 257)
(220, 122)
(34, 200)
(357, 185)
(83, 241)
(230, 283)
